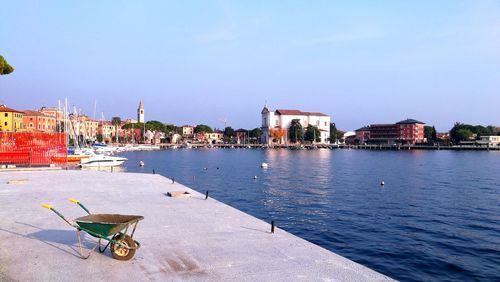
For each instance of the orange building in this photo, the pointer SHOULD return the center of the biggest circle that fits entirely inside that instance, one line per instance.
(37, 121)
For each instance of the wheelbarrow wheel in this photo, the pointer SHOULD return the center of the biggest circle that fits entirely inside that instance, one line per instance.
(120, 253)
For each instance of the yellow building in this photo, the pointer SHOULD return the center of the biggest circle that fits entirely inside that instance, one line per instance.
(10, 120)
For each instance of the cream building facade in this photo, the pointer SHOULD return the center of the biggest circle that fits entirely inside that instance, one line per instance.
(282, 119)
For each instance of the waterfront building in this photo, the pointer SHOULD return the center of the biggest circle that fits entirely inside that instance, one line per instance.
(199, 137)
(491, 141)
(107, 131)
(384, 133)
(35, 121)
(408, 131)
(54, 112)
(214, 137)
(362, 134)
(11, 120)
(88, 127)
(187, 131)
(280, 120)
(241, 136)
(349, 137)
(140, 113)
(411, 131)
(57, 114)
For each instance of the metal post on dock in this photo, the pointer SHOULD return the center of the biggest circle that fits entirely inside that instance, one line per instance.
(206, 195)
(272, 226)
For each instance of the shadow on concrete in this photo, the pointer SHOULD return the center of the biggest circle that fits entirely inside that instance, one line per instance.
(52, 237)
(253, 229)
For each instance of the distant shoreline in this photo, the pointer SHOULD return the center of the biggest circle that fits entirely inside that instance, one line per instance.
(331, 146)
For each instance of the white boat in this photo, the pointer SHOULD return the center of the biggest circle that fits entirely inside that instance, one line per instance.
(102, 161)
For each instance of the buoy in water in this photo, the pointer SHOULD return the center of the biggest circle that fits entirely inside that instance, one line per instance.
(141, 163)
(264, 165)
(255, 177)
(382, 183)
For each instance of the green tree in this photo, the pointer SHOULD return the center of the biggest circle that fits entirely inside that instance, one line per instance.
(255, 133)
(172, 129)
(5, 68)
(429, 131)
(155, 125)
(202, 128)
(133, 125)
(462, 132)
(229, 133)
(434, 134)
(482, 131)
(335, 134)
(312, 134)
(463, 135)
(116, 121)
(295, 131)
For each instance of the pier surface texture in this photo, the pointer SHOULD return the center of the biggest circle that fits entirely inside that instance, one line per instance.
(181, 238)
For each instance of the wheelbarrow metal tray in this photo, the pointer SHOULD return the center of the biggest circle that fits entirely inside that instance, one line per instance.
(106, 224)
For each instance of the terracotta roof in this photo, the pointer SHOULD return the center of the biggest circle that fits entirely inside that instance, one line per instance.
(33, 113)
(298, 113)
(4, 108)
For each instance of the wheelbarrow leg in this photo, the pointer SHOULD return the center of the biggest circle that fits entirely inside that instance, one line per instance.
(103, 250)
(133, 230)
(81, 248)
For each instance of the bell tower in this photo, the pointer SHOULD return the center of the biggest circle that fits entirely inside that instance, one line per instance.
(140, 113)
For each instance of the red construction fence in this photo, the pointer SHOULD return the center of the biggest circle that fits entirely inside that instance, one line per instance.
(32, 148)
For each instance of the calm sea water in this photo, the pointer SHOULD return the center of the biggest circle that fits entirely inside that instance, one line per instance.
(437, 218)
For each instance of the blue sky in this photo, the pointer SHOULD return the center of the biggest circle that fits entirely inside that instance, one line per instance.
(195, 62)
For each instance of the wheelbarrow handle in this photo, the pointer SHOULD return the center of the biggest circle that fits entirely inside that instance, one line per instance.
(47, 206)
(75, 201)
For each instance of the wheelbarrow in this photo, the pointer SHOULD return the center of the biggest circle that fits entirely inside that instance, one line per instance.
(110, 227)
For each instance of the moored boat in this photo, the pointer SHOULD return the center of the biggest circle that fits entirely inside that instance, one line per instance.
(102, 161)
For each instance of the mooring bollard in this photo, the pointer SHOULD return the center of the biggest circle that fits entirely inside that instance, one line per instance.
(272, 226)
(206, 195)
(154, 171)
(173, 180)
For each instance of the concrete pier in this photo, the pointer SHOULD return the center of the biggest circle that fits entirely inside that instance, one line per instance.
(181, 238)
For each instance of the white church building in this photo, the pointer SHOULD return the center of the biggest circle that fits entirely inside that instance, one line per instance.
(282, 119)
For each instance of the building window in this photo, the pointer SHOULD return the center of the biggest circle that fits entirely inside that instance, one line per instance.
(276, 122)
(5, 123)
(6, 114)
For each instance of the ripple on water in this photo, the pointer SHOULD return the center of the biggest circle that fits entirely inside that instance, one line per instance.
(434, 220)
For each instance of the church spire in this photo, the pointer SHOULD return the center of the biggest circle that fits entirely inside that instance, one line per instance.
(140, 112)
